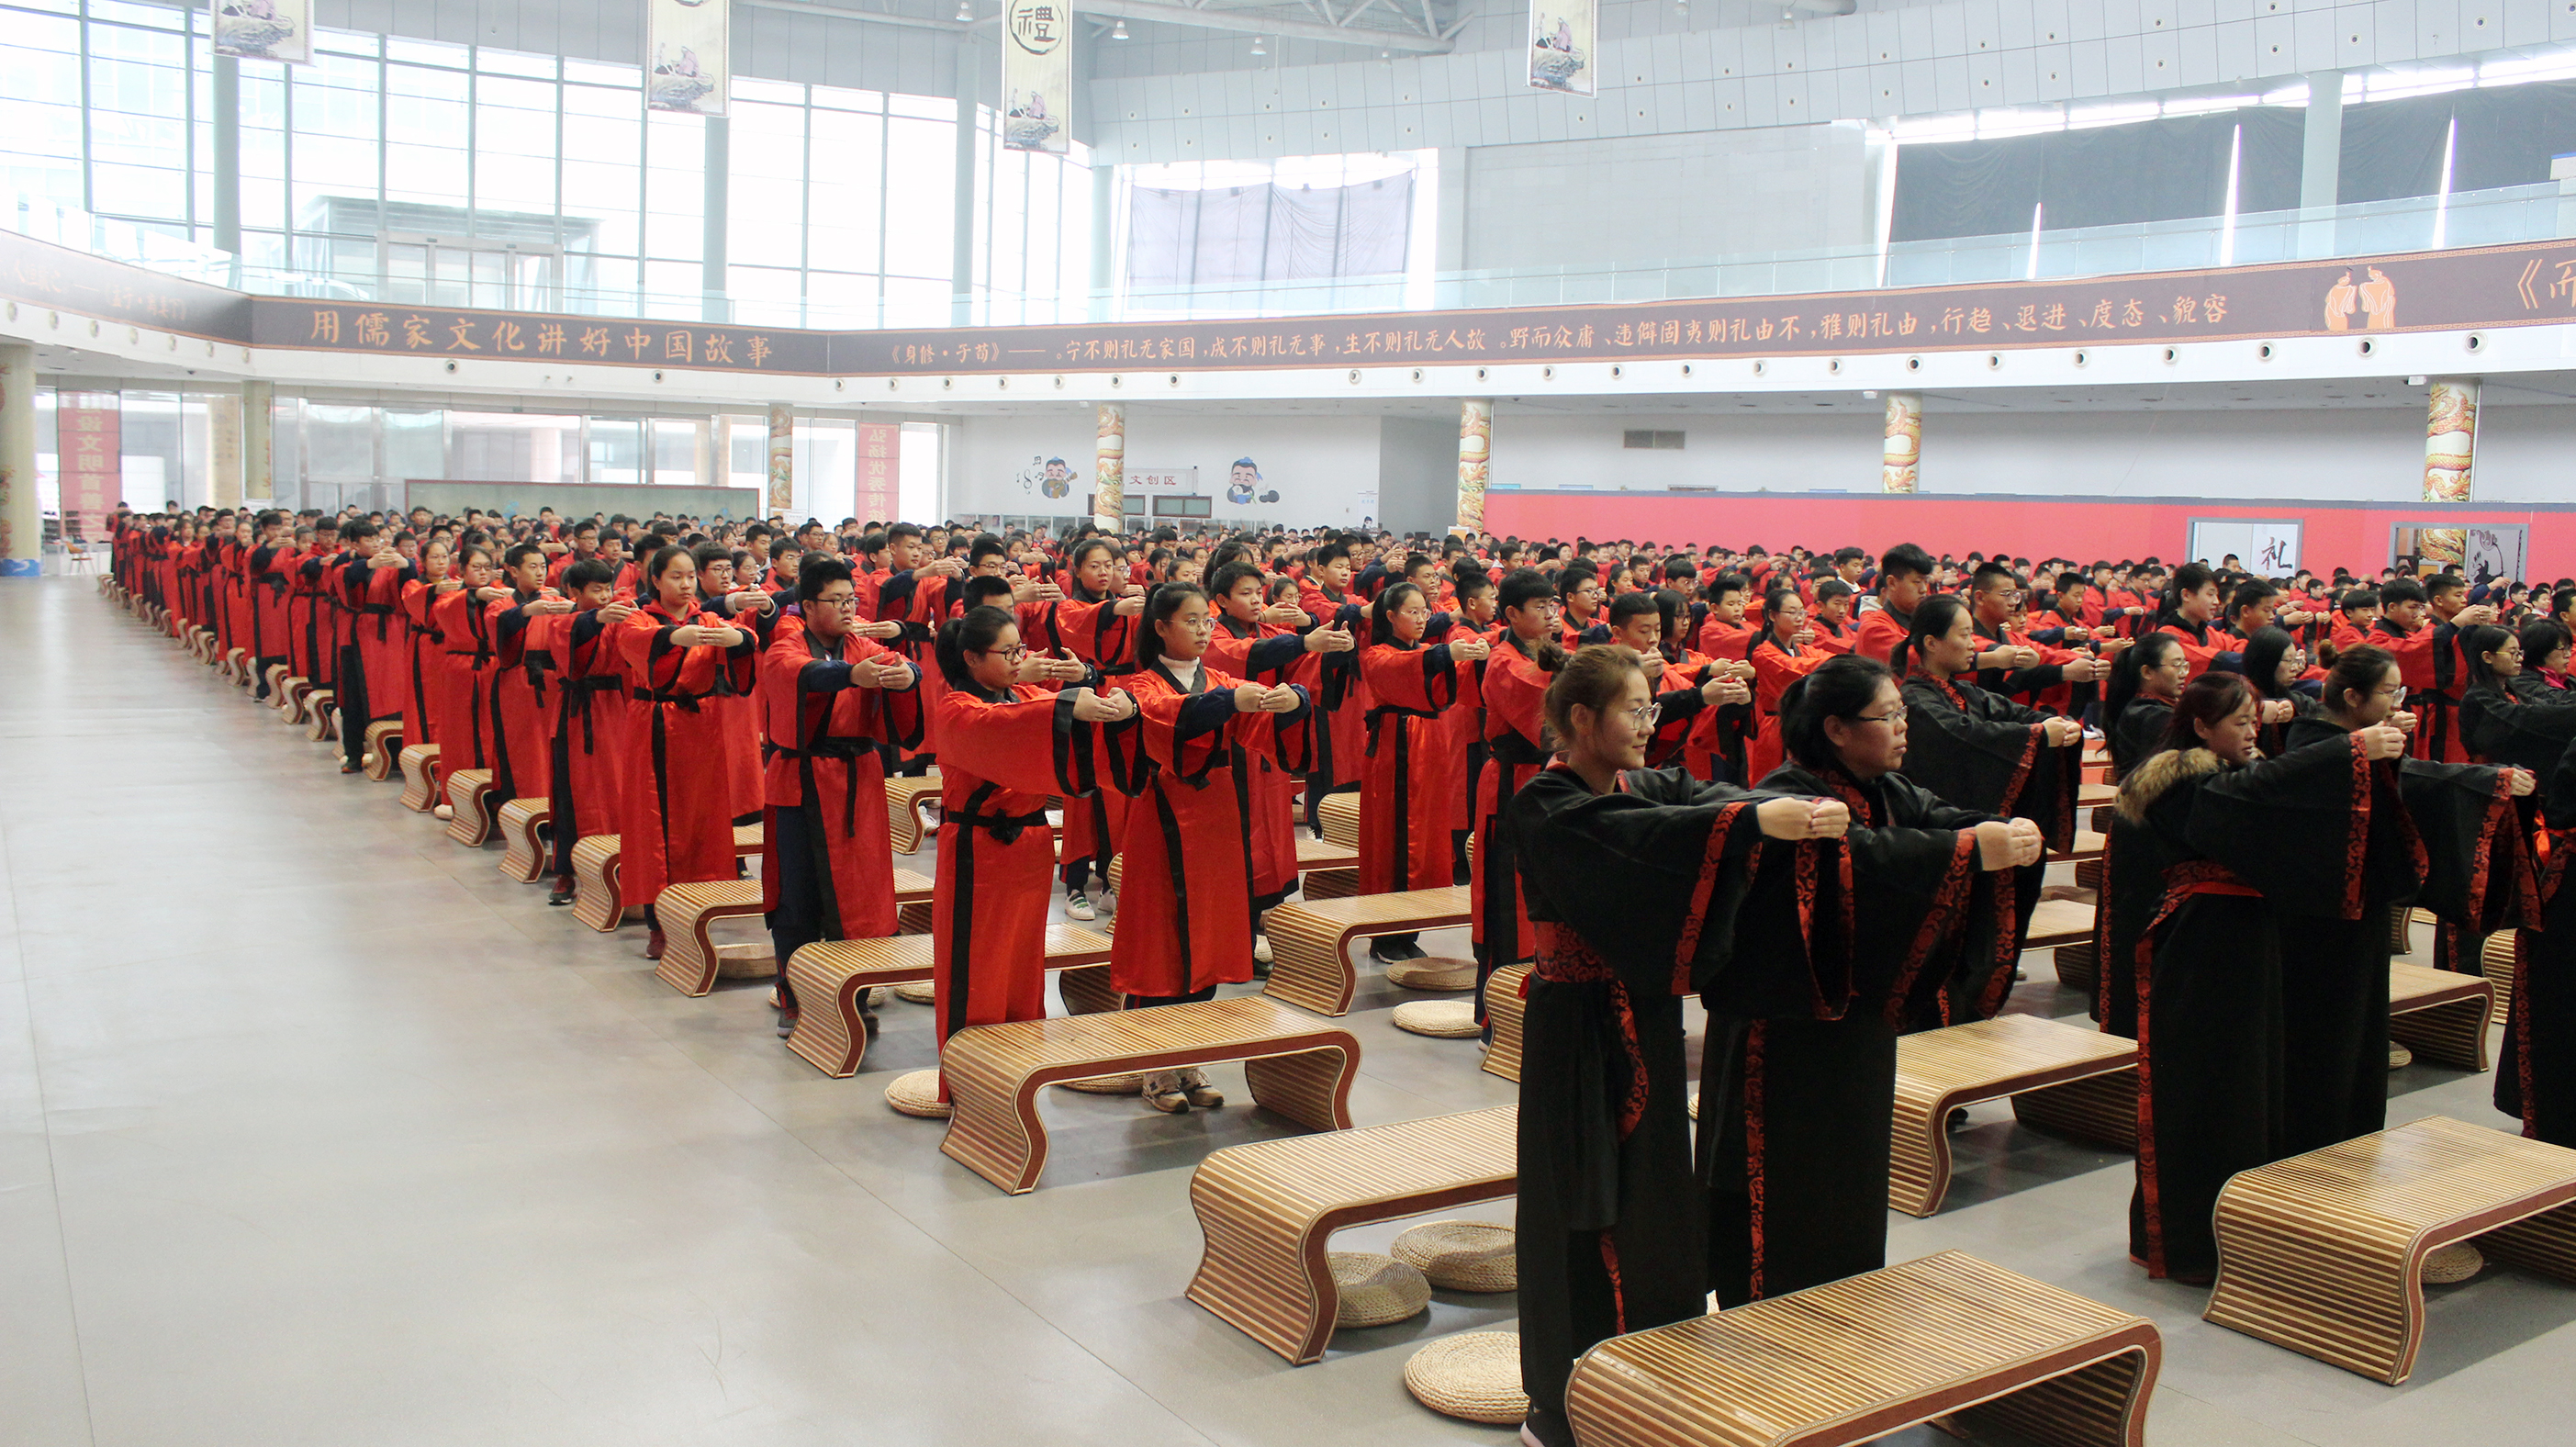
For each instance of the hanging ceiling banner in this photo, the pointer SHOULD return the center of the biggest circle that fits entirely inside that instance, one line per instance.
(687, 41)
(1561, 35)
(1037, 76)
(265, 30)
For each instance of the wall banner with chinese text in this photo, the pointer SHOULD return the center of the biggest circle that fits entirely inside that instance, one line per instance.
(88, 439)
(265, 30)
(1561, 44)
(1037, 75)
(687, 41)
(880, 472)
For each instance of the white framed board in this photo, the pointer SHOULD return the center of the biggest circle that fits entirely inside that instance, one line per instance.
(2268, 549)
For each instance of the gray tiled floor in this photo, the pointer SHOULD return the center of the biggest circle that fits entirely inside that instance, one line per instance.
(313, 1129)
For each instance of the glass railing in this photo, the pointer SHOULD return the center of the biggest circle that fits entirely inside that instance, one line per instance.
(2426, 223)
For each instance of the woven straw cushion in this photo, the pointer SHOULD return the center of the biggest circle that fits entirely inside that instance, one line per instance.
(2399, 1057)
(1441, 1019)
(1432, 972)
(1107, 1085)
(916, 1092)
(1461, 1255)
(1475, 1376)
(919, 992)
(1376, 1289)
(2459, 1261)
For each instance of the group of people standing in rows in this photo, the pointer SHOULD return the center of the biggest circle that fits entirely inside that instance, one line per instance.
(1817, 793)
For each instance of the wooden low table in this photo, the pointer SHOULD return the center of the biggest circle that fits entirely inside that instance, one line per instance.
(1854, 1360)
(524, 823)
(1938, 1071)
(2088, 845)
(1267, 1211)
(903, 809)
(2088, 796)
(690, 958)
(2323, 1253)
(834, 1039)
(470, 802)
(1504, 1009)
(595, 859)
(2497, 959)
(2056, 922)
(2441, 1015)
(384, 740)
(1337, 816)
(1298, 1066)
(421, 788)
(1310, 940)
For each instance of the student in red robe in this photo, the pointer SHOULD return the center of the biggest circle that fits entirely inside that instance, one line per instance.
(1904, 581)
(1268, 653)
(587, 729)
(1095, 622)
(1470, 611)
(831, 702)
(1516, 748)
(425, 677)
(464, 631)
(2427, 649)
(1342, 740)
(522, 714)
(678, 825)
(268, 567)
(1185, 926)
(377, 677)
(755, 612)
(1829, 616)
(1015, 727)
(1404, 791)
(1785, 653)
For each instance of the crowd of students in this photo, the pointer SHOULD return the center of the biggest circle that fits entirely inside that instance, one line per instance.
(1815, 791)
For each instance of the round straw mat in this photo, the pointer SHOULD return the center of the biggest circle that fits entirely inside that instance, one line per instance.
(916, 1092)
(1375, 1289)
(2458, 1261)
(2399, 1057)
(919, 992)
(1432, 972)
(1461, 1255)
(1474, 1376)
(1440, 1019)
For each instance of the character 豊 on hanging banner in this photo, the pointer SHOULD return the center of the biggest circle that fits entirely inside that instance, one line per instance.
(1561, 43)
(686, 61)
(265, 30)
(1037, 75)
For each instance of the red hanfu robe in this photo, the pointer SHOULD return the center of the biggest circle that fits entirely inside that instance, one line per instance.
(1340, 691)
(424, 669)
(522, 713)
(375, 593)
(2429, 663)
(1186, 921)
(742, 715)
(1404, 788)
(1774, 669)
(268, 584)
(825, 758)
(1269, 655)
(1095, 633)
(2200, 649)
(1879, 632)
(678, 824)
(465, 704)
(1463, 724)
(588, 760)
(233, 614)
(1514, 687)
(301, 627)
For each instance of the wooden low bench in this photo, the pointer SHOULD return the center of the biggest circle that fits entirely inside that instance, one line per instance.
(1325, 870)
(2441, 1015)
(524, 826)
(325, 719)
(421, 788)
(1504, 1009)
(384, 740)
(1938, 1071)
(692, 961)
(595, 857)
(2323, 1253)
(470, 802)
(2497, 960)
(2079, 968)
(2089, 796)
(2055, 922)
(903, 809)
(1297, 1065)
(289, 697)
(1310, 940)
(1266, 1212)
(1861, 1358)
(834, 1038)
(1337, 817)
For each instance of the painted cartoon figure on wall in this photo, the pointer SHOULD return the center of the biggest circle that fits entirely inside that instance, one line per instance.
(1057, 480)
(1247, 477)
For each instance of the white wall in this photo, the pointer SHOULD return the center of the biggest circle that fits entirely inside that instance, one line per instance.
(1324, 467)
(1646, 199)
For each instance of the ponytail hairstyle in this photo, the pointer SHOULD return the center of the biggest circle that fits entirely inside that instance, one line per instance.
(2211, 698)
(1161, 602)
(2360, 669)
(2128, 667)
(975, 630)
(1522, 587)
(2263, 654)
(1933, 618)
(1593, 678)
(1382, 617)
(1842, 687)
(2477, 643)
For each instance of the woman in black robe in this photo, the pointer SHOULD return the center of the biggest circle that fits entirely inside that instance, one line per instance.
(2546, 646)
(1980, 750)
(2273, 663)
(1637, 883)
(2212, 1091)
(1795, 1102)
(2146, 678)
(2435, 833)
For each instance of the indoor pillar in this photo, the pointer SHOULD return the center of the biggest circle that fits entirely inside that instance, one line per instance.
(961, 256)
(1109, 468)
(1104, 197)
(226, 102)
(21, 531)
(258, 444)
(1475, 452)
(2450, 439)
(715, 303)
(782, 457)
(224, 450)
(2321, 161)
(1901, 449)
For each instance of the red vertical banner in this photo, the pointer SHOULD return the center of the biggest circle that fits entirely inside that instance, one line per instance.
(880, 471)
(91, 461)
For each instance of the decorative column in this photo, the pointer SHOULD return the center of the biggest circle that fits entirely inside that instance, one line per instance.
(258, 444)
(21, 534)
(1475, 452)
(2450, 439)
(1109, 469)
(782, 457)
(224, 450)
(1903, 447)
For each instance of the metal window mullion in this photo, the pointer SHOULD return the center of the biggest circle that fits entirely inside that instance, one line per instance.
(87, 189)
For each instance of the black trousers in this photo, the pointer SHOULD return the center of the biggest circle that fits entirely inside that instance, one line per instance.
(1142, 1002)
(350, 698)
(798, 920)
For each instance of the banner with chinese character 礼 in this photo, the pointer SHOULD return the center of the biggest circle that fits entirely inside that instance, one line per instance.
(1561, 43)
(1037, 75)
(879, 497)
(686, 41)
(265, 30)
(88, 441)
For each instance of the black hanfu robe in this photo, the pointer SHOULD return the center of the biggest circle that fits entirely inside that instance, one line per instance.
(1985, 753)
(1796, 1094)
(2213, 1092)
(1636, 898)
(2536, 1072)
(2137, 732)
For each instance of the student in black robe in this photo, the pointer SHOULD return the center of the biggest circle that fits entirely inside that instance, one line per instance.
(1638, 882)
(2273, 663)
(2546, 646)
(2136, 711)
(1980, 750)
(2212, 1095)
(2444, 834)
(1795, 1102)
(2146, 678)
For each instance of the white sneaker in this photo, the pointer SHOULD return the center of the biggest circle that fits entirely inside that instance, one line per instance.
(1261, 949)
(1163, 1092)
(1077, 905)
(1195, 1086)
(1106, 901)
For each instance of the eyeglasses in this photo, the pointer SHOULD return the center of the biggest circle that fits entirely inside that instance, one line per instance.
(1645, 714)
(1014, 653)
(1885, 718)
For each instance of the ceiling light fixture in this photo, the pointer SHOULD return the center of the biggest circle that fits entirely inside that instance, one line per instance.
(965, 12)
(1119, 30)
(1256, 46)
